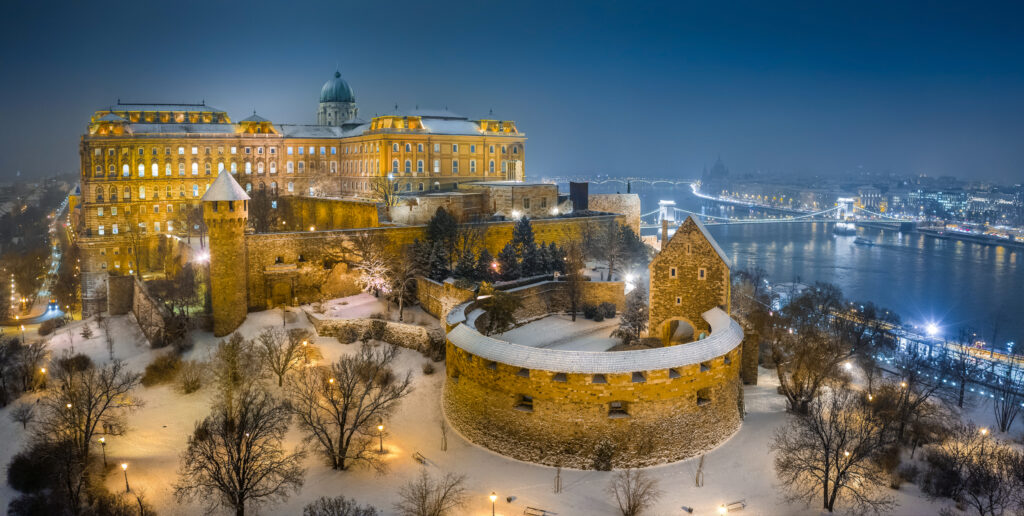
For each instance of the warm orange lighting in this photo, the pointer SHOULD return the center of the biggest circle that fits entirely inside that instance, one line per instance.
(380, 428)
(331, 381)
(493, 496)
(124, 466)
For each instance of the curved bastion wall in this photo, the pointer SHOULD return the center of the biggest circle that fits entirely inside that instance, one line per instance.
(563, 408)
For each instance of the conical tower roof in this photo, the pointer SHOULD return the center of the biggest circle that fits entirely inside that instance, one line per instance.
(225, 188)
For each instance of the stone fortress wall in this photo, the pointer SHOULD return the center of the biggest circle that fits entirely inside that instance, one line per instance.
(561, 407)
(626, 204)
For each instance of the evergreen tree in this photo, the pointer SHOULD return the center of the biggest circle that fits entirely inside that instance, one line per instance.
(438, 262)
(421, 253)
(633, 320)
(557, 256)
(635, 253)
(525, 247)
(543, 260)
(484, 270)
(466, 266)
(442, 229)
(508, 264)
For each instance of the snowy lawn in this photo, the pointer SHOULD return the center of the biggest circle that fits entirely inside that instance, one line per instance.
(364, 305)
(739, 469)
(559, 332)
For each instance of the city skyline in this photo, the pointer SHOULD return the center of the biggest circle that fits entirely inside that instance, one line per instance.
(654, 90)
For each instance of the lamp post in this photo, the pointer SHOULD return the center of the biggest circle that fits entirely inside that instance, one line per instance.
(493, 497)
(103, 446)
(23, 334)
(124, 468)
(380, 432)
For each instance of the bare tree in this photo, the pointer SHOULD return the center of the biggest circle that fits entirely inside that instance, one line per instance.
(425, 496)
(339, 406)
(84, 399)
(386, 190)
(337, 506)
(574, 275)
(234, 363)
(918, 386)
(23, 413)
(235, 458)
(1007, 385)
(282, 352)
(634, 491)
(828, 455)
(404, 272)
(31, 358)
(959, 365)
(374, 265)
(976, 470)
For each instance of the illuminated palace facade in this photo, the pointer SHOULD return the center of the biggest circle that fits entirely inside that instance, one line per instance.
(144, 165)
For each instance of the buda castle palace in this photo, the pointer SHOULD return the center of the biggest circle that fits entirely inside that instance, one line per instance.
(145, 165)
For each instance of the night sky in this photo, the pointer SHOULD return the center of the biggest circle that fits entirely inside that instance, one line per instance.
(598, 87)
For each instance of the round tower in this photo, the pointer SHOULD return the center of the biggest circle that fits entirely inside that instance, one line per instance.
(226, 212)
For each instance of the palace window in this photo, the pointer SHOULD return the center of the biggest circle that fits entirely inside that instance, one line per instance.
(259, 150)
(437, 166)
(323, 151)
(206, 151)
(673, 374)
(291, 167)
(99, 170)
(679, 301)
(419, 166)
(302, 151)
(394, 166)
(170, 226)
(515, 149)
(526, 203)
(248, 150)
(455, 166)
(543, 202)
(156, 226)
(273, 167)
(195, 190)
(112, 170)
(394, 147)
(455, 147)
(248, 168)
(155, 169)
(289, 151)
(99, 211)
(504, 150)
(672, 273)
(220, 167)
(141, 151)
(195, 168)
(167, 169)
(334, 150)
(312, 150)
(248, 187)
(408, 166)
(490, 167)
(302, 166)
(142, 170)
(491, 150)
(181, 169)
(259, 168)
(207, 169)
(437, 147)
(142, 192)
(472, 166)
(617, 409)
(408, 147)
(504, 166)
(472, 149)
(421, 186)
(524, 403)
(291, 186)
(100, 230)
(195, 150)
(334, 167)
(113, 229)
(419, 147)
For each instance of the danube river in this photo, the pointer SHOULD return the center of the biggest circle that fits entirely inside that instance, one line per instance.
(924, 279)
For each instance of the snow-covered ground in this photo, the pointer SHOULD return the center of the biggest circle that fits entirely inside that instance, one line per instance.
(364, 305)
(559, 332)
(739, 469)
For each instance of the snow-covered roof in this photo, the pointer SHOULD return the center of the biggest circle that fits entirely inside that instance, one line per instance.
(726, 334)
(225, 188)
(450, 126)
(197, 108)
(254, 118)
(182, 128)
(320, 131)
(711, 240)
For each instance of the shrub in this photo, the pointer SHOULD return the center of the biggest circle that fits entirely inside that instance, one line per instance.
(598, 317)
(428, 368)
(438, 347)
(375, 330)
(190, 376)
(32, 470)
(337, 506)
(35, 504)
(378, 315)
(607, 310)
(75, 363)
(908, 472)
(162, 369)
(589, 311)
(46, 327)
(603, 455)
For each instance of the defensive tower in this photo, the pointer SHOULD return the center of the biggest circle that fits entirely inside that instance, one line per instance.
(226, 212)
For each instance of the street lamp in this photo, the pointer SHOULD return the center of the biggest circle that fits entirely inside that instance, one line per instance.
(722, 509)
(124, 467)
(380, 432)
(22, 334)
(103, 446)
(493, 497)
(984, 431)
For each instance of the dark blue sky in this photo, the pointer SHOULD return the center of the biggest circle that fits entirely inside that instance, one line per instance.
(599, 87)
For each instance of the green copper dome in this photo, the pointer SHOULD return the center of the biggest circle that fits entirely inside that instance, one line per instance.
(336, 90)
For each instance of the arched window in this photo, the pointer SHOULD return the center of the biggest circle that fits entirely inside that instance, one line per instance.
(99, 170)
(99, 194)
(155, 169)
(248, 167)
(207, 168)
(302, 166)
(113, 193)
(394, 147)
(248, 187)
(127, 194)
(394, 166)
(181, 169)
(490, 167)
(112, 170)
(167, 169)
(290, 167)
(234, 167)
(291, 186)
(408, 147)
(408, 187)
(259, 168)
(195, 168)
(195, 190)
(419, 166)
(220, 167)
(273, 167)
(124, 170)
(142, 170)
(408, 166)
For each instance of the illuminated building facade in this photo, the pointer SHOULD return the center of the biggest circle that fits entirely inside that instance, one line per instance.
(145, 166)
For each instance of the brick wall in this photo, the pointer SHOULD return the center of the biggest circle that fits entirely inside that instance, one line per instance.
(150, 314)
(438, 298)
(347, 331)
(120, 292)
(326, 214)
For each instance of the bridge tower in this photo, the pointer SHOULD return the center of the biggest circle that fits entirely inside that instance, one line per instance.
(666, 211)
(845, 205)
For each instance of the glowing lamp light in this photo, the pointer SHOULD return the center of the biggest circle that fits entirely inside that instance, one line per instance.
(931, 329)
(331, 381)
(984, 431)
(493, 497)
(554, 211)
(380, 428)
(494, 265)
(846, 453)
(848, 366)
(516, 214)
(312, 228)
(722, 509)
(124, 466)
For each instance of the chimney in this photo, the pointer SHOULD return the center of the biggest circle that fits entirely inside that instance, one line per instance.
(664, 232)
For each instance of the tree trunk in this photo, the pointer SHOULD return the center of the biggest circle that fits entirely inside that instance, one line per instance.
(960, 400)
